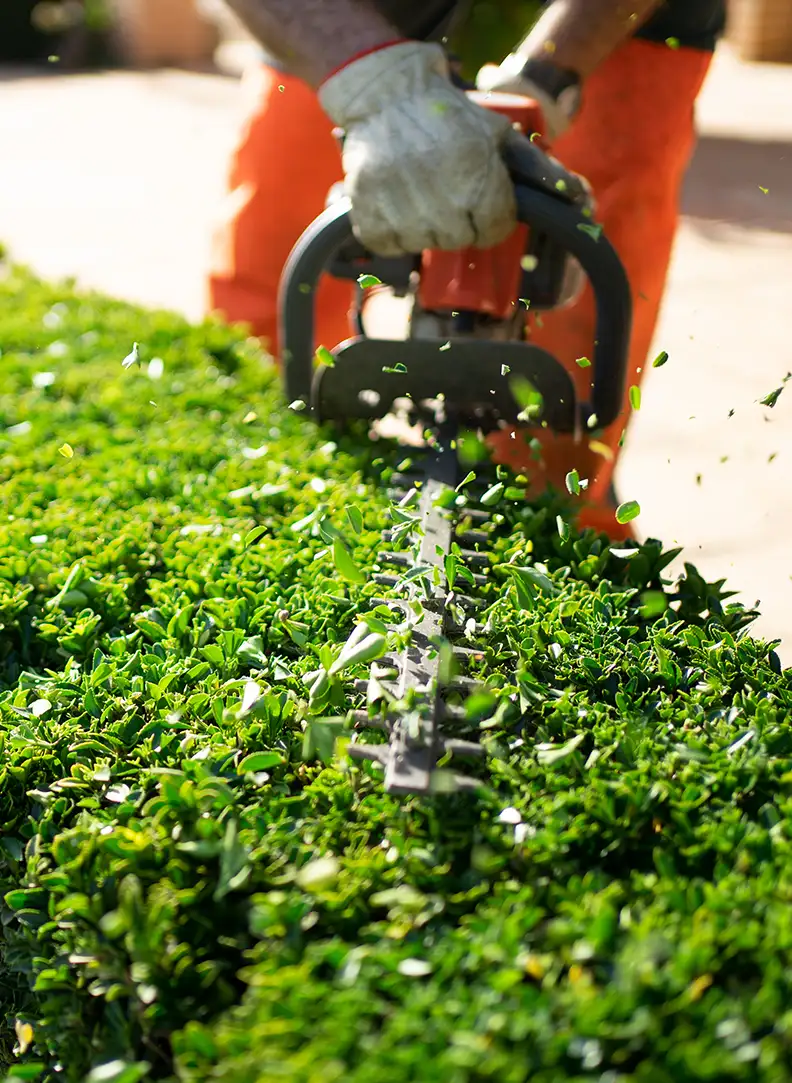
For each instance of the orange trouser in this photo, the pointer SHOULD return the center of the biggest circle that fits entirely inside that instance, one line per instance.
(632, 140)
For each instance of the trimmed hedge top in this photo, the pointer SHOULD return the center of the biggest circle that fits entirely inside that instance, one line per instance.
(191, 894)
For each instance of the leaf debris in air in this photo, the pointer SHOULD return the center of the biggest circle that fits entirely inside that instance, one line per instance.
(324, 357)
(345, 565)
(572, 482)
(626, 512)
(772, 398)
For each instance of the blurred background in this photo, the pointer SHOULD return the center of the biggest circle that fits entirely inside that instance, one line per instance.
(116, 121)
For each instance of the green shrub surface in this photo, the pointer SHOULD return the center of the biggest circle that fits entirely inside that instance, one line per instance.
(190, 894)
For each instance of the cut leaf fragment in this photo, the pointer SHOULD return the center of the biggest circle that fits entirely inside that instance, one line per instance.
(344, 563)
(626, 512)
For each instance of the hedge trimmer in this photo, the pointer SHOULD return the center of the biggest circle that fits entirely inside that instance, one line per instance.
(466, 365)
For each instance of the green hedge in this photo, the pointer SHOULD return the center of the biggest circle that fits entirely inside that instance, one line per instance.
(186, 897)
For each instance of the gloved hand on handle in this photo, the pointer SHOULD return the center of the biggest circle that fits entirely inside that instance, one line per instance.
(423, 164)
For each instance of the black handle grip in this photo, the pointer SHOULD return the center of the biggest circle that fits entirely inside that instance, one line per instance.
(541, 211)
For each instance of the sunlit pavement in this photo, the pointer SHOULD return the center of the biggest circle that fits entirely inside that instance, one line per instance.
(114, 178)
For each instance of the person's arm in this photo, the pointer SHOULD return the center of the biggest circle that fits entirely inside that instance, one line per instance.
(424, 166)
(579, 34)
(567, 43)
(315, 37)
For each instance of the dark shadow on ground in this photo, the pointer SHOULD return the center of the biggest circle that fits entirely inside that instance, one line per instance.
(726, 178)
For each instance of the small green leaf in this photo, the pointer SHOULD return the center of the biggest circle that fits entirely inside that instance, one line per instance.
(635, 397)
(367, 281)
(374, 624)
(583, 362)
(626, 512)
(235, 867)
(67, 451)
(324, 357)
(355, 518)
(563, 528)
(505, 370)
(320, 739)
(362, 646)
(660, 360)
(595, 232)
(450, 562)
(572, 482)
(260, 761)
(771, 399)
(399, 367)
(254, 536)
(345, 565)
(493, 495)
(549, 755)
(466, 480)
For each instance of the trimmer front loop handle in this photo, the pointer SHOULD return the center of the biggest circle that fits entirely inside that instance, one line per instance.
(540, 211)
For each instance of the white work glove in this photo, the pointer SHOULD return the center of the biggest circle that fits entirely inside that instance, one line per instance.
(508, 78)
(423, 164)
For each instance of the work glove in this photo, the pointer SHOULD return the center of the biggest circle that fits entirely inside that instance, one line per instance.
(424, 166)
(509, 78)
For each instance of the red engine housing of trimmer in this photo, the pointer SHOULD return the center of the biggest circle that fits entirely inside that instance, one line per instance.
(482, 280)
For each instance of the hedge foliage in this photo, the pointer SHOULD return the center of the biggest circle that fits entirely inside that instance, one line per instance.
(191, 893)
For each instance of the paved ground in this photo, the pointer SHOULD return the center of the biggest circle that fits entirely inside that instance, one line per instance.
(114, 178)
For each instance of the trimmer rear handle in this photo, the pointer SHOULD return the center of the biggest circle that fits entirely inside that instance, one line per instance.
(540, 211)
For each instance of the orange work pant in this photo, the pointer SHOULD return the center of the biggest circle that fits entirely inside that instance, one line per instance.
(632, 140)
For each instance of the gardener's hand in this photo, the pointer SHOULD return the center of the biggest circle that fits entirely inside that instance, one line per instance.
(424, 165)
